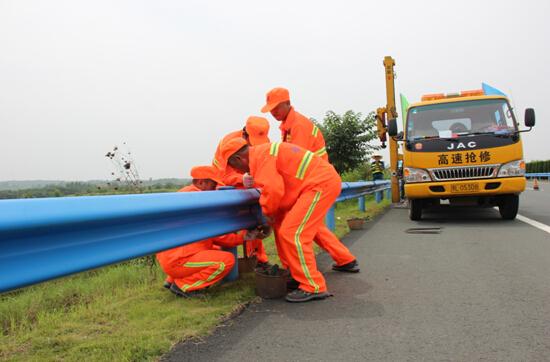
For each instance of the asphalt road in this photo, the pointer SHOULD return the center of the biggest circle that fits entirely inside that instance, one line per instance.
(479, 290)
(536, 204)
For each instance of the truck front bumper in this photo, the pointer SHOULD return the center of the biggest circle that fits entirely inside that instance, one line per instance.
(449, 189)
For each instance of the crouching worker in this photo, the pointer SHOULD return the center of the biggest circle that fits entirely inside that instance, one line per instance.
(298, 188)
(193, 267)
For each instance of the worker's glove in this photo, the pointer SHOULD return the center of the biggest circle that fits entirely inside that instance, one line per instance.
(264, 231)
(251, 234)
(248, 181)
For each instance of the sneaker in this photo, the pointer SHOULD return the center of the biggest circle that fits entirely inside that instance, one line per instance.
(292, 284)
(180, 293)
(167, 285)
(351, 267)
(300, 296)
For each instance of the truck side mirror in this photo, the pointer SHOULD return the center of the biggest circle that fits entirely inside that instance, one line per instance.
(529, 117)
(392, 127)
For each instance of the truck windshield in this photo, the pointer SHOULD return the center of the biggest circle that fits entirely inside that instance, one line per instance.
(454, 119)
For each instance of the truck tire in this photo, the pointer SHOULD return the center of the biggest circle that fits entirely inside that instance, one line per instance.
(415, 209)
(508, 207)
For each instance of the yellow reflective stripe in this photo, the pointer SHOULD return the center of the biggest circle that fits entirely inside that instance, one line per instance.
(216, 163)
(315, 131)
(274, 150)
(191, 264)
(306, 160)
(321, 151)
(299, 244)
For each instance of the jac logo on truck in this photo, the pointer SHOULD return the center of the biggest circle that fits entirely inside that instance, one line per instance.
(461, 145)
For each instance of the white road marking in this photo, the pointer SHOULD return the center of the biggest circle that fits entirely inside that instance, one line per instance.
(534, 223)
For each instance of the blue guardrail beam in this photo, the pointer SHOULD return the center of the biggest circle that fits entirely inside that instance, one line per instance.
(41, 239)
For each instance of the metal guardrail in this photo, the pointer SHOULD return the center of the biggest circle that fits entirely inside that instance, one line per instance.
(42, 239)
(538, 175)
(358, 190)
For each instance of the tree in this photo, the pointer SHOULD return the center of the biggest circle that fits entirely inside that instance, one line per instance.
(347, 138)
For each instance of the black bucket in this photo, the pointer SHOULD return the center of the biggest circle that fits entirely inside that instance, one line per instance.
(247, 265)
(271, 286)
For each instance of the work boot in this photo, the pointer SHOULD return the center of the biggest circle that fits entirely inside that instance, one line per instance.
(300, 296)
(351, 267)
(167, 284)
(180, 293)
(292, 284)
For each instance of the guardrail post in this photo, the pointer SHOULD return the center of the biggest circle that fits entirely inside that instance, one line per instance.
(330, 219)
(378, 196)
(361, 201)
(234, 273)
(388, 193)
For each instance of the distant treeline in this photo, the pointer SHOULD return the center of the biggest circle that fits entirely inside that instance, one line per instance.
(538, 166)
(88, 188)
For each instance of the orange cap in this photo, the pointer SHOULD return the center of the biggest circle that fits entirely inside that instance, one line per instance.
(257, 129)
(205, 172)
(274, 97)
(229, 148)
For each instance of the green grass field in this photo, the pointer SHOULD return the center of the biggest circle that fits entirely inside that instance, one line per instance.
(121, 312)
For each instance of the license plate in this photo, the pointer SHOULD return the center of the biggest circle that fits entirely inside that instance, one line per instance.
(461, 188)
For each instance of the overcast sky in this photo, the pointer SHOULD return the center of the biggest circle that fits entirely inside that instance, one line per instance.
(170, 78)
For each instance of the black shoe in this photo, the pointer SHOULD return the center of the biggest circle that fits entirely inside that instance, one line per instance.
(300, 296)
(167, 285)
(180, 293)
(351, 267)
(292, 284)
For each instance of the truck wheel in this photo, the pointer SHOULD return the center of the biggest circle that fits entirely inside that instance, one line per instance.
(415, 209)
(508, 207)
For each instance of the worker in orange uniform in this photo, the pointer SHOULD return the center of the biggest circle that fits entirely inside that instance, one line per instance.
(297, 189)
(195, 266)
(255, 132)
(299, 130)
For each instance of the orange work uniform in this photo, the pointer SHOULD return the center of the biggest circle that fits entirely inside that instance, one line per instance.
(199, 265)
(298, 129)
(298, 188)
(231, 177)
(301, 131)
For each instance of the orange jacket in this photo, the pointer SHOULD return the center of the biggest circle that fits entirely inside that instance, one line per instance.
(229, 176)
(298, 129)
(170, 256)
(284, 170)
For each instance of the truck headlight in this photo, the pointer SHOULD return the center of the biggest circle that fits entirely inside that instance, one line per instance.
(416, 175)
(511, 169)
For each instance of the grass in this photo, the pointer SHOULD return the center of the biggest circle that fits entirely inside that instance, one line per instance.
(121, 312)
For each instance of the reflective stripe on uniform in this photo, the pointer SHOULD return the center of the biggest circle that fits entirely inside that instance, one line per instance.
(306, 160)
(321, 151)
(274, 150)
(299, 243)
(315, 131)
(216, 163)
(190, 264)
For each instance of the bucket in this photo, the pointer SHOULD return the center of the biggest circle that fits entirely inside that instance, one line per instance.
(271, 286)
(356, 223)
(247, 265)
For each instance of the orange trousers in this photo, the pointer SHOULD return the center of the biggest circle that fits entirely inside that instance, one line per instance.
(294, 234)
(333, 246)
(200, 270)
(256, 247)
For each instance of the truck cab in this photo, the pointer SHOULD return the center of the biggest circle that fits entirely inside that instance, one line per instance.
(466, 148)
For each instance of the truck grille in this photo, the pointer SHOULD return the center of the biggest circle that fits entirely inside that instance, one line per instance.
(463, 173)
